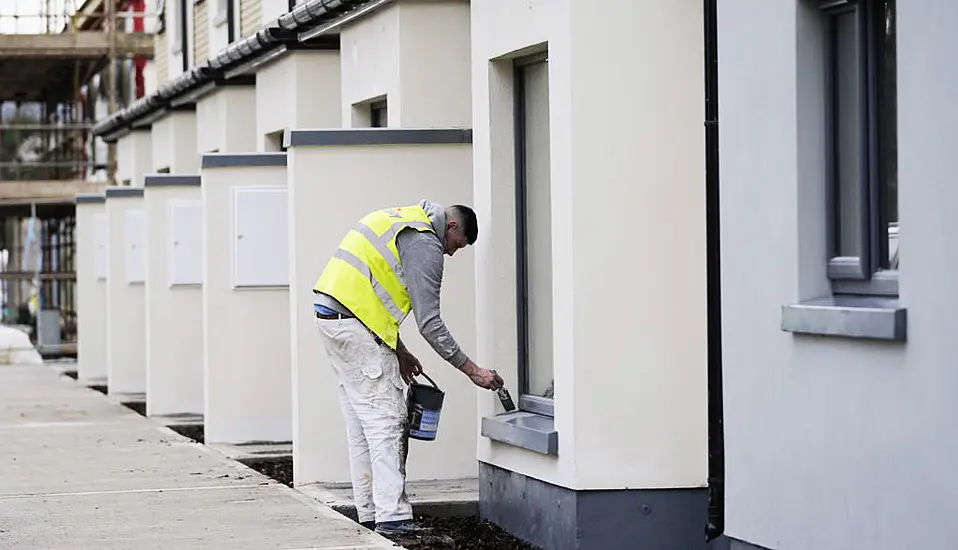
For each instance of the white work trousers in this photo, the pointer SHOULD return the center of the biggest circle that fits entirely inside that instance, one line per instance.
(372, 395)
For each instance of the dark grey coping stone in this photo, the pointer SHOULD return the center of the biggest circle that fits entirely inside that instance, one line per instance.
(226, 160)
(870, 317)
(116, 192)
(530, 431)
(376, 136)
(90, 198)
(171, 180)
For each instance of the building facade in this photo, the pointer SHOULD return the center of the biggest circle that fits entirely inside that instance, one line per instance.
(688, 268)
(835, 126)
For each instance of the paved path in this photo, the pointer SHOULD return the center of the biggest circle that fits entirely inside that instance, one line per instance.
(78, 471)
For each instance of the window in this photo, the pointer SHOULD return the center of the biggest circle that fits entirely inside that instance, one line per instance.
(533, 233)
(378, 115)
(862, 146)
(174, 24)
(222, 17)
(371, 113)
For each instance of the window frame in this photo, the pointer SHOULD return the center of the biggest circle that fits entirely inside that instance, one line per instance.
(864, 274)
(175, 30)
(527, 402)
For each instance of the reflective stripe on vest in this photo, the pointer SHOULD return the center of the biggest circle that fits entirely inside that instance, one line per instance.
(365, 273)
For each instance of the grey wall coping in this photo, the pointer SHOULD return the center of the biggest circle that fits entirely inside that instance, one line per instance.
(90, 198)
(527, 430)
(171, 180)
(146, 123)
(227, 160)
(376, 136)
(116, 192)
(850, 316)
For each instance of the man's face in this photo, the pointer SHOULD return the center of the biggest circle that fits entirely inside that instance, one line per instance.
(455, 238)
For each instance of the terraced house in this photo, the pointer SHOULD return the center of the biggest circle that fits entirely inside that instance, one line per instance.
(688, 268)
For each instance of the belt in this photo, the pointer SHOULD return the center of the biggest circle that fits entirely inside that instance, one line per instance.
(333, 316)
(338, 316)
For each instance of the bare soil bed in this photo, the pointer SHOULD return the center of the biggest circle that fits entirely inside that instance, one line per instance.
(137, 406)
(461, 533)
(192, 431)
(280, 469)
(447, 533)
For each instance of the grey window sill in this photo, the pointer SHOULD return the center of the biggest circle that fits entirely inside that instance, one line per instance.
(530, 431)
(871, 317)
(220, 19)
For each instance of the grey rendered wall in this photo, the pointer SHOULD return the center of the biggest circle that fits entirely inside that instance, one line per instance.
(834, 443)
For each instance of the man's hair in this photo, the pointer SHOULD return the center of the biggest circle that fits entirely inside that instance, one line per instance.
(467, 219)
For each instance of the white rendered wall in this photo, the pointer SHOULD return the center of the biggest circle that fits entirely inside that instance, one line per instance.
(246, 349)
(174, 143)
(226, 120)
(217, 28)
(834, 443)
(270, 10)
(125, 302)
(91, 291)
(629, 339)
(134, 157)
(393, 53)
(174, 314)
(124, 166)
(358, 180)
(301, 89)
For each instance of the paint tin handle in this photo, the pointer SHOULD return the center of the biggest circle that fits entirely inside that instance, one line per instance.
(430, 379)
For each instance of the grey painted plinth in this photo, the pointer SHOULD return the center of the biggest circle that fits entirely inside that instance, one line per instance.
(736, 544)
(557, 518)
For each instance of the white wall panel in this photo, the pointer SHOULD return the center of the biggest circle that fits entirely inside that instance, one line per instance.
(134, 230)
(100, 241)
(185, 243)
(260, 238)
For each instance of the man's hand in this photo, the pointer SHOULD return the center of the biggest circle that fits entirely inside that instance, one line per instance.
(409, 366)
(484, 378)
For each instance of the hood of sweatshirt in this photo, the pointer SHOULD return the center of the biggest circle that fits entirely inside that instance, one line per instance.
(437, 216)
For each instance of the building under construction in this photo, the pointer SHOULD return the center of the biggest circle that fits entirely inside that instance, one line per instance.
(64, 64)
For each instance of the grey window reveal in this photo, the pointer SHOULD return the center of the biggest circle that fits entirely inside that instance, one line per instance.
(534, 232)
(378, 115)
(862, 146)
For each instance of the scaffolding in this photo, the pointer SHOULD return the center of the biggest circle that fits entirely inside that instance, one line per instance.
(64, 65)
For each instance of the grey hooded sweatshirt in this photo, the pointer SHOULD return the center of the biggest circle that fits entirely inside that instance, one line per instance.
(422, 259)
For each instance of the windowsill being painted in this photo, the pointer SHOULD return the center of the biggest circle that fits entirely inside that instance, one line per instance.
(527, 430)
(870, 317)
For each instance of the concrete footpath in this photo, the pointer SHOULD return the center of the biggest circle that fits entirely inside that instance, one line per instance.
(79, 471)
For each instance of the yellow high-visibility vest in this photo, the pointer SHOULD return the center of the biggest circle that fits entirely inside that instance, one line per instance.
(362, 274)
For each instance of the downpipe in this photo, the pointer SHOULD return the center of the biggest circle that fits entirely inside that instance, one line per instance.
(716, 445)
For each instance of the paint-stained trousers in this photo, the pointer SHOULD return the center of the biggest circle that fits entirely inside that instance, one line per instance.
(372, 398)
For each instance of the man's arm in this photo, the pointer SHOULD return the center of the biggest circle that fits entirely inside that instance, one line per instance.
(409, 365)
(422, 262)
